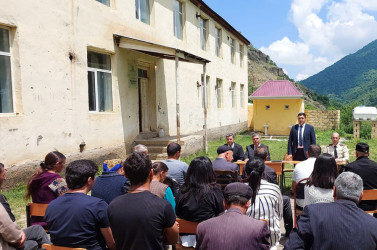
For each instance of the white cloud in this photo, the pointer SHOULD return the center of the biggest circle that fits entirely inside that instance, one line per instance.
(300, 77)
(328, 30)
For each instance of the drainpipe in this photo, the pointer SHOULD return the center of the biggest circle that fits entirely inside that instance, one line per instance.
(205, 106)
(177, 100)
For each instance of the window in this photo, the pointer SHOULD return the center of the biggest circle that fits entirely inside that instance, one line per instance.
(233, 91)
(232, 50)
(105, 2)
(219, 93)
(203, 33)
(286, 107)
(6, 98)
(242, 100)
(207, 91)
(268, 107)
(178, 27)
(142, 11)
(99, 82)
(218, 42)
(241, 55)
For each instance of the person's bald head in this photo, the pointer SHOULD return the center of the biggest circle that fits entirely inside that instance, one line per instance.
(335, 138)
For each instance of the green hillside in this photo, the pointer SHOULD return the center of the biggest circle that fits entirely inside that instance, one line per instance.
(351, 79)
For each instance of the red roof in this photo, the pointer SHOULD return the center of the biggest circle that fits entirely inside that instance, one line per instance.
(278, 88)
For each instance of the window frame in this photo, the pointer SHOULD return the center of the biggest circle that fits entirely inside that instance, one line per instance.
(232, 44)
(100, 1)
(218, 41)
(207, 89)
(219, 92)
(95, 71)
(138, 11)
(233, 94)
(9, 54)
(180, 14)
(242, 94)
(203, 32)
(241, 48)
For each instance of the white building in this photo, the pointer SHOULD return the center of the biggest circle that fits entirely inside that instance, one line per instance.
(101, 72)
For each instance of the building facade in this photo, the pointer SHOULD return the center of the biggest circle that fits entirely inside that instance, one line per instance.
(94, 74)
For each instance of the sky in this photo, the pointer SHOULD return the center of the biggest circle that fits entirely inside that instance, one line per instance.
(302, 36)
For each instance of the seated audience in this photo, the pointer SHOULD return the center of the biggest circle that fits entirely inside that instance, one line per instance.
(200, 198)
(319, 187)
(266, 202)
(336, 225)
(237, 230)
(177, 168)
(224, 159)
(11, 235)
(367, 170)
(46, 184)
(304, 169)
(237, 148)
(111, 183)
(141, 149)
(140, 219)
(77, 219)
(338, 150)
(157, 187)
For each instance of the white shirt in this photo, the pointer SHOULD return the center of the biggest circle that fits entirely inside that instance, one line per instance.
(303, 170)
(302, 133)
(269, 206)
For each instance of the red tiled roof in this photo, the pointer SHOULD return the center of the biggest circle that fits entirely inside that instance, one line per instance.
(278, 88)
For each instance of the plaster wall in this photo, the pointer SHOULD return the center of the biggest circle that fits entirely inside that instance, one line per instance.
(277, 117)
(49, 43)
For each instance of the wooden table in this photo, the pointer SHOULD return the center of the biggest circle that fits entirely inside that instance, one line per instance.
(278, 166)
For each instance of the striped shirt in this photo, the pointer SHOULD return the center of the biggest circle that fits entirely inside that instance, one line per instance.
(269, 206)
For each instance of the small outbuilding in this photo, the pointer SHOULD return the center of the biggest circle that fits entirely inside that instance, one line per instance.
(275, 107)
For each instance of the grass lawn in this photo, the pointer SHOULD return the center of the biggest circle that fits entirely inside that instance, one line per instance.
(277, 146)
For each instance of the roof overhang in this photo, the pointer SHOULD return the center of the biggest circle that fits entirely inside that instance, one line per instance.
(276, 97)
(157, 50)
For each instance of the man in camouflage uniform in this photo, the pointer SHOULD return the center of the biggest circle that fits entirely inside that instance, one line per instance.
(338, 150)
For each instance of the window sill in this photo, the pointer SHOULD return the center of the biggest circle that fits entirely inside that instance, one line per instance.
(6, 115)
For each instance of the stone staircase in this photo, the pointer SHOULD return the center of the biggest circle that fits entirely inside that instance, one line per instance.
(156, 145)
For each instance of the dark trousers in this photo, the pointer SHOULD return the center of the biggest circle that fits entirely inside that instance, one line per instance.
(287, 215)
(35, 237)
(299, 155)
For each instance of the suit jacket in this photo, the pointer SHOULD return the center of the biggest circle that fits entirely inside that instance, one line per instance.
(336, 225)
(270, 174)
(308, 138)
(367, 170)
(249, 154)
(237, 152)
(232, 230)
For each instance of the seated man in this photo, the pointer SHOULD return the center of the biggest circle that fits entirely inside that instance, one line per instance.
(239, 230)
(338, 150)
(336, 225)
(112, 182)
(224, 159)
(249, 154)
(177, 168)
(237, 148)
(77, 219)
(304, 169)
(140, 148)
(367, 170)
(140, 219)
(11, 235)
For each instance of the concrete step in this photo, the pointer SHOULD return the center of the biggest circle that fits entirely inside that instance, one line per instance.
(158, 157)
(156, 149)
(147, 135)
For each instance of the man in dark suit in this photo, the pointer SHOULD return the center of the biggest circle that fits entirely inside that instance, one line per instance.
(249, 154)
(367, 170)
(237, 148)
(336, 225)
(224, 159)
(302, 135)
(239, 230)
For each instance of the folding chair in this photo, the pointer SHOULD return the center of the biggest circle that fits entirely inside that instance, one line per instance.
(370, 195)
(225, 177)
(298, 193)
(53, 247)
(34, 209)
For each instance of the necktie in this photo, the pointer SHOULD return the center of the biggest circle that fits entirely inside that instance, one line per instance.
(300, 136)
(335, 153)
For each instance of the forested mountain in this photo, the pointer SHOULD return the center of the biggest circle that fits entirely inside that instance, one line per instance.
(351, 79)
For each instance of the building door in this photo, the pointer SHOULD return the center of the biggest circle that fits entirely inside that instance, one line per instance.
(143, 87)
